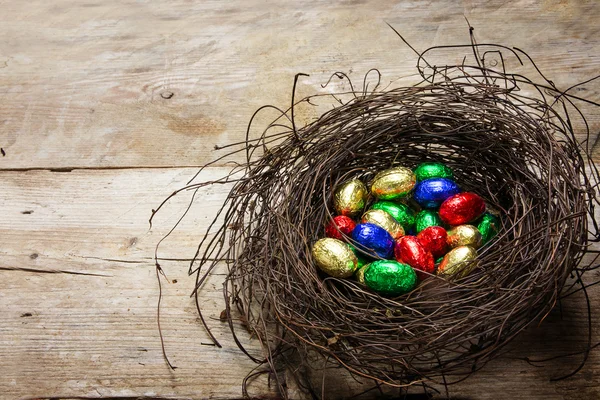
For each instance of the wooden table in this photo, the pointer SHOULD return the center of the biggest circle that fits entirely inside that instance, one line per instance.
(107, 107)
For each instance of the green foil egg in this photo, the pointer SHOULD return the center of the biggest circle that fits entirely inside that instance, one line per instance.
(350, 197)
(390, 277)
(334, 257)
(393, 183)
(489, 226)
(428, 170)
(427, 218)
(401, 212)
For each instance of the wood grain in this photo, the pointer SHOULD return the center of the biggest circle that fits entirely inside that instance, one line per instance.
(137, 83)
(103, 106)
(79, 335)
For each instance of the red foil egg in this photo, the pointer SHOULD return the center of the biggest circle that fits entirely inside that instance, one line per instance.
(340, 225)
(434, 239)
(409, 251)
(462, 208)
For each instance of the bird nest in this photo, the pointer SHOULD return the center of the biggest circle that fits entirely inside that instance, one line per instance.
(506, 138)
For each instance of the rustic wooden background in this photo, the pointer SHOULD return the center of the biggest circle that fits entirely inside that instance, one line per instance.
(108, 106)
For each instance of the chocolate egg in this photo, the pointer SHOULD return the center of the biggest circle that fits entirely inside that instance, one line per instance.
(393, 183)
(359, 275)
(384, 220)
(464, 235)
(350, 197)
(462, 208)
(434, 239)
(430, 193)
(408, 250)
(374, 239)
(334, 257)
(489, 226)
(339, 226)
(401, 212)
(390, 277)
(459, 262)
(428, 170)
(425, 219)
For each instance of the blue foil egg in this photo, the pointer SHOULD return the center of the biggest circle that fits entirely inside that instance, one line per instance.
(374, 239)
(431, 193)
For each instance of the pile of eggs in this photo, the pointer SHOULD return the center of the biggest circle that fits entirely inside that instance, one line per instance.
(420, 224)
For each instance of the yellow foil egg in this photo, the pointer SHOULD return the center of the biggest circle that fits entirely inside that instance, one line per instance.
(458, 262)
(360, 274)
(393, 183)
(464, 235)
(334, 257)
(384, 220)
(350, 198)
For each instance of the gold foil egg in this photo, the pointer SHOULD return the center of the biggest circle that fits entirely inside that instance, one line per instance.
(384, 220)
(360, 274)
(458, 262)
(393, 183)
(464, 235)
(334, 257)
(350, 198)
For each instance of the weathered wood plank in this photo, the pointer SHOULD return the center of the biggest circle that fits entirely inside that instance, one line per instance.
(72, 335)
(105, 84)
(79, 335)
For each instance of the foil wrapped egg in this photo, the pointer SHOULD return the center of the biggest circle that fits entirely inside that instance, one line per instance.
(374, 239)
(350, 197)
(334, 257)
(401, 212)
(464, 235)
(462, 208)
(360, 274)
(390, 277)
(489, 226)
(428, 170)
(393, 183)
(384, 220)
(425, 219)
(339, 226)
(408, 250)
(435, 240)
(458, 262)
(430, 193)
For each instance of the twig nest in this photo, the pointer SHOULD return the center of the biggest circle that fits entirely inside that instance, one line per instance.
(513, 152)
